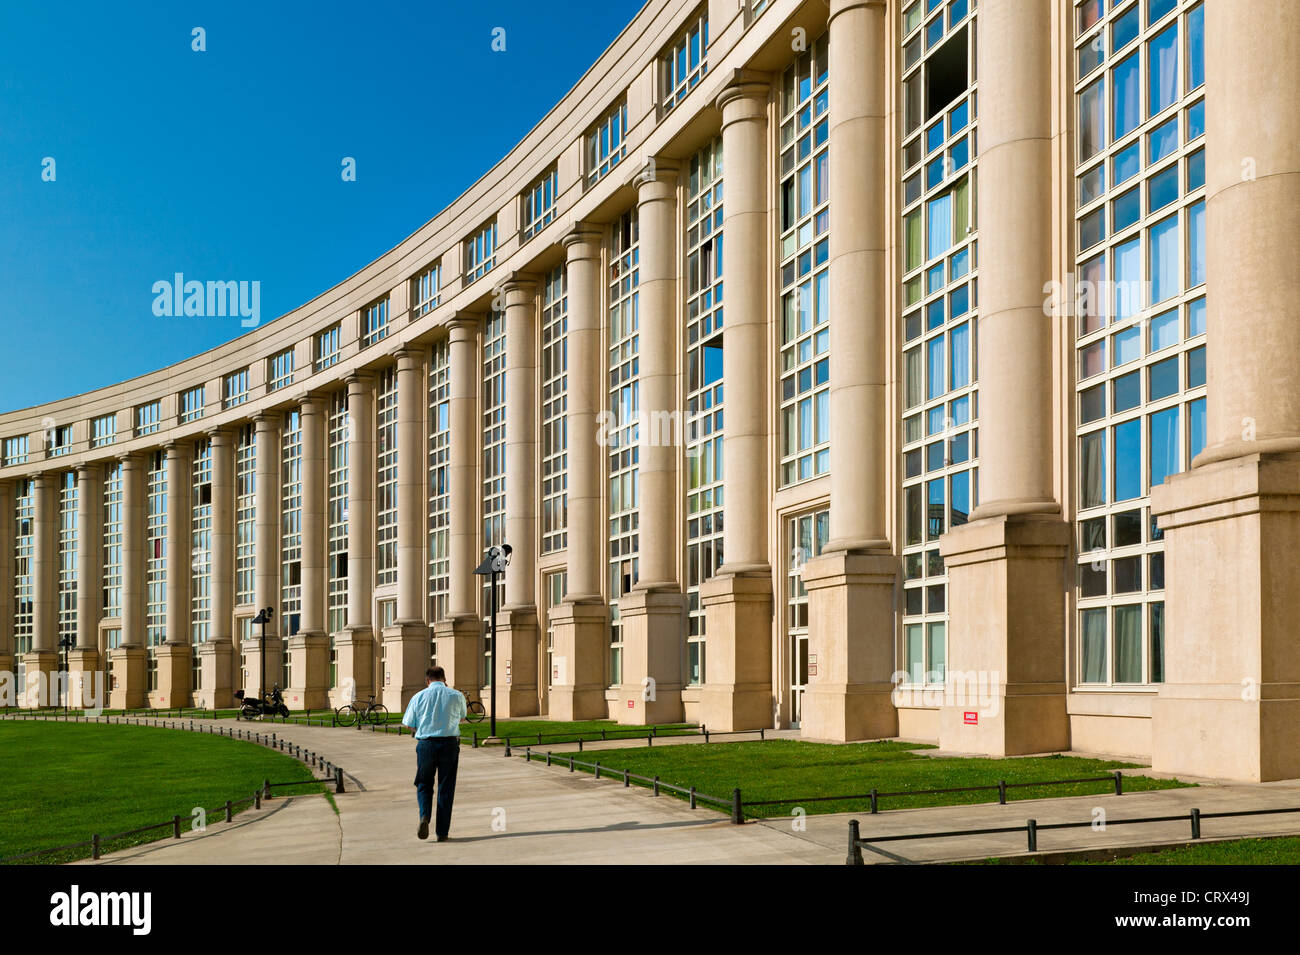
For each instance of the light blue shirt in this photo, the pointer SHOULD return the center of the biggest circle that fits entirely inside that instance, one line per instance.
(435, 711)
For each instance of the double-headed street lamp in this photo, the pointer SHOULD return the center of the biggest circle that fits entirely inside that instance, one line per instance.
(66, 643)
(494, 564)
(263, 617)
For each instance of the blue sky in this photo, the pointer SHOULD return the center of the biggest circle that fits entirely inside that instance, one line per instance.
(225, 164)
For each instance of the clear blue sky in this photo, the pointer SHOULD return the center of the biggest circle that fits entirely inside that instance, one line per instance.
(225, 164)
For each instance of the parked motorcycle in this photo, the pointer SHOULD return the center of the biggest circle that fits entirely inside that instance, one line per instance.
(272, 704)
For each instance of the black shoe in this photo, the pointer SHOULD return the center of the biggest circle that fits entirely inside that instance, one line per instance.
(442, 838)
(423, 831)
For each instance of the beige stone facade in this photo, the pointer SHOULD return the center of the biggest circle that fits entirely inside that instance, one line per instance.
(822, 367)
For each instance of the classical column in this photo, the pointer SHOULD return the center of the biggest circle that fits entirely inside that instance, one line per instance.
(653, 614)
(851, 630)
(458, 635)
(129, 682)
(580, 622)
(42, 662)
(355, 645)
(84, 687)
(1230, 702)
(7, 554)
(174, 655)
(309, 647)
(267, 451)
(738, 600)
(1006, 567)
(407, 641)
(216, 654)
(517, 633)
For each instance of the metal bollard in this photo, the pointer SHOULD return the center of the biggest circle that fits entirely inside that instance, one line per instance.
(94, 846)
(627, 778)
(598, 769)
(875, 803)
(570, 764)
(1119, 783)
(656, 785)
(737, 812)
(1002, 792)
(1196, 823)
(338, 779)
(176, 827)
(1031, 830)
(855, 850)
(257, 799)
(266, 789)
(230, 811)
(692, 797)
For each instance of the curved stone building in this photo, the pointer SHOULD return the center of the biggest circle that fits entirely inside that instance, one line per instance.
(823, 366)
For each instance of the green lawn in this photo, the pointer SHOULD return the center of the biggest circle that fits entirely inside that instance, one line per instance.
(1277, 850)
(62, 782)
(524, 732)
(795, 771)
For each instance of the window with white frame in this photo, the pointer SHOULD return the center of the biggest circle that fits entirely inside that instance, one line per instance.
(234, 388)
(539, 204)
(337, 501)
(1139, 313)
(606, 145)
(67, 556)
(24, 569)
(201, 543)
(328, 347)
(555, 423)
(439, 463)
(428, 284)
(147, 418)
(684, 64)
(192, 404)
(622, 436)
(245, 516)
(493, 469)
(279, 370)
(374, 322)
(58, 440)
(386, 478)
(112, 530)
(103, 430)
(15, 450)
(156, 552)
(290, 526)
(480, 252)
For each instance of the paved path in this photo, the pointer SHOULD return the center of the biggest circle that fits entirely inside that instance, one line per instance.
(510, 812)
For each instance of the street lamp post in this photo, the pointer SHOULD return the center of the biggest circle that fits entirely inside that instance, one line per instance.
(493, 566)
(66, 643)
(263, 617)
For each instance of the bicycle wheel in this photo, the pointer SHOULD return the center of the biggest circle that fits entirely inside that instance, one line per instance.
(346, 715)
(378, 713)
(475, 711)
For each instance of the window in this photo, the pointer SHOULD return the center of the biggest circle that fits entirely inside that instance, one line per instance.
(15, 450)
(147, 418)
(539, 204)
(279, 370)
(328, 346)
(24, 569)
(58, 440)
(439, 465)
(290, 527)
(808, 534)
(374, 322)
(112, 555)
(156, 552)
(605, 144)
(103, 430)
(234, 388)
(1140, 329)
(805, 273)
(622, 438)
(201, 544)
(555, 587)
(67, 556)
(336, 493)
(554, 437)
(940, 300)
(386, 478)
(192, 404)
(427, 285)
(245, 515)
(493, 468)
(684, 63)
(480, 252)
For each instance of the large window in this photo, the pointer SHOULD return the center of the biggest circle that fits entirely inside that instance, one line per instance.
(234, 388)
(386, 478)
(439, 467)
(155, 610)
(539, 204)
(58, 440)
(103, 430)
(481, 252)
(622, 437)
(290, 525)
(201, 543)
(328, 348)
(427, 286)
(703, 433)
(192, 404)
(245, 516)
(112, 559)
(279, 370)
(493, 470)
(684, 63)
(15, 450)
(605, 144)
(147, 418)
(337, 502)
(1139, 315)
(24, 572)
(805, 272)
(374, 322)
(67, 556)
(939, 302)
(807, 535)
(555, 441)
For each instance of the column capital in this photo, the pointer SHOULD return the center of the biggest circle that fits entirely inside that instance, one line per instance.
(358, 379)
(219, 435)
(311, 402)
(746, 88)
(519, 281)
(654, 171)
(582, 242)
(843, 6)
(407, 353)
(87, 469)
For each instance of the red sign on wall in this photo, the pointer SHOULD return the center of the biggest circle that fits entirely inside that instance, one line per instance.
(970, 718)
(631, 704)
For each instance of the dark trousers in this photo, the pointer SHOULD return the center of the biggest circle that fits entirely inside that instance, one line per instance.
(436, 758)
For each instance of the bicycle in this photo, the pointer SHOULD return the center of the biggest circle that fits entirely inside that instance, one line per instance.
(368, 712)
(474, 711)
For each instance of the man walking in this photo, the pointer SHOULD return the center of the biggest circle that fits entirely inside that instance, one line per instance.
(434, 714)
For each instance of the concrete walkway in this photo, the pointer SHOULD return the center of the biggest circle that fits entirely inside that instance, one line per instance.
(510, 812)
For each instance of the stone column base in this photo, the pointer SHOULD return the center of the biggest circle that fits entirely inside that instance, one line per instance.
(356, 666)
(737, 690)
(578, 681)
(128, 679)
(175, 661)
(1004, 692)
(216, 675)
(1229, 706)
(41, 668)
(406, 658)
(86, 687)
(459, 653)
(654, 630)
(8, 682)
(309, 660)
(851, 642)
(516, 654)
